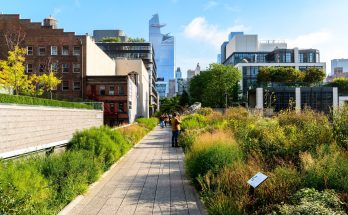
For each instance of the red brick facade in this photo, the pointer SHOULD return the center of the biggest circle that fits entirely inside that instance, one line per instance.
(114, 93)
(47, 48)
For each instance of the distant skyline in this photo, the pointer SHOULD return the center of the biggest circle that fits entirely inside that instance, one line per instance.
(200, 26)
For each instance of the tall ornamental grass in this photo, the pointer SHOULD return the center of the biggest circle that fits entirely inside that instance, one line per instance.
(304, 154)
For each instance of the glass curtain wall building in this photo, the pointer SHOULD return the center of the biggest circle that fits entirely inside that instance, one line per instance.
(164, 47)
(249, 54)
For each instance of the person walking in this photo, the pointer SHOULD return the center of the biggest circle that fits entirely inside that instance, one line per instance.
(176, 121)
(161, 121)
(166, 120)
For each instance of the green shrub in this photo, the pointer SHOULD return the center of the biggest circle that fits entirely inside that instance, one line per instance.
(193, 121)
(149, 123)
(187, 138)
(133, 133)
(69, 175)
(97, 141)
(328, 171)
(205, 111)
(217, 151)
(23, 189)
(213, 158)
(340, 126)
(14, 99)
(309, 129)
(310, 201)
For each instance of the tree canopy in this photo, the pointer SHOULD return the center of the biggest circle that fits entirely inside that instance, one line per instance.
(290, 75)
(170, 105)
(136, 39)
(211, 87)
(111, 39)
(340, 83)
(13, 76)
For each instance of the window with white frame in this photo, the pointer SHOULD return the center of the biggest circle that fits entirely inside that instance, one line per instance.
(77, 50)
(65, 68)
(76, 68)
(29, 68)
(54, 50)
(54, 67)
(77, 85)
(42, 51)
(30, 50)
(65, 50)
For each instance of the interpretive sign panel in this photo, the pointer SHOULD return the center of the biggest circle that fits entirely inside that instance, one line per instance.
(257, 179)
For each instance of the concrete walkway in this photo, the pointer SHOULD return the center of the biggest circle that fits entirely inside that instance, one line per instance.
(149, 180)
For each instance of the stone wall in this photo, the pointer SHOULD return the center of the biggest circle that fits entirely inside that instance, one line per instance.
(28, 128)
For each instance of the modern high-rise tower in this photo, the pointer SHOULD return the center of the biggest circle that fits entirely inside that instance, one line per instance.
(163, 45)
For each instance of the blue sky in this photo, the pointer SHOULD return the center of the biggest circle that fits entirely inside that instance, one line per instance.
(201, 25)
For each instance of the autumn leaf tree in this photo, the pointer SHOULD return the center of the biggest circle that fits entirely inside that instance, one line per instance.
(49, 82)
(12, 74)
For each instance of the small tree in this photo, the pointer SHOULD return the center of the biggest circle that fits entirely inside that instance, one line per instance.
(184, 99)
(50, 82)
(314, 75)
(12, 73)
(340, 83)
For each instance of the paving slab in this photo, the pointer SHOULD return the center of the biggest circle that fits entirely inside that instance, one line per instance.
(148, 180)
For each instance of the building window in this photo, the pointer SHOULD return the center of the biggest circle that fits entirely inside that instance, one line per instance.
(102, 90)
(288, 57)
(77, 50)
(54, 50)
(301, 58)
(54, 67)
(42, 68)
(120, 90)
(112, 107)
(65, 50)
(129, 105)
(111, 90)
(29, 68)
(120, 107)
(76, 68)
(77, 85)
(65, 85)
(42, 51)
(65, 68)
(30, 50)
(311, 58)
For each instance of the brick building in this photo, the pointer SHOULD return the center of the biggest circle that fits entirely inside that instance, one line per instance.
(119, 95)
(86, 71)
(48, 48)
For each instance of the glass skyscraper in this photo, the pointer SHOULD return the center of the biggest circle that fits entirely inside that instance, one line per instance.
(163, 45)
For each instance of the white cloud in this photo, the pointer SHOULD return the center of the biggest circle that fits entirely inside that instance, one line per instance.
(329, 43)
(210, 5)
(310, 40)
(200, 30)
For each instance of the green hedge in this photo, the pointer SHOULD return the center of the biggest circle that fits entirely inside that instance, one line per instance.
(44, 185)
(148, 123)
(27, 100)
